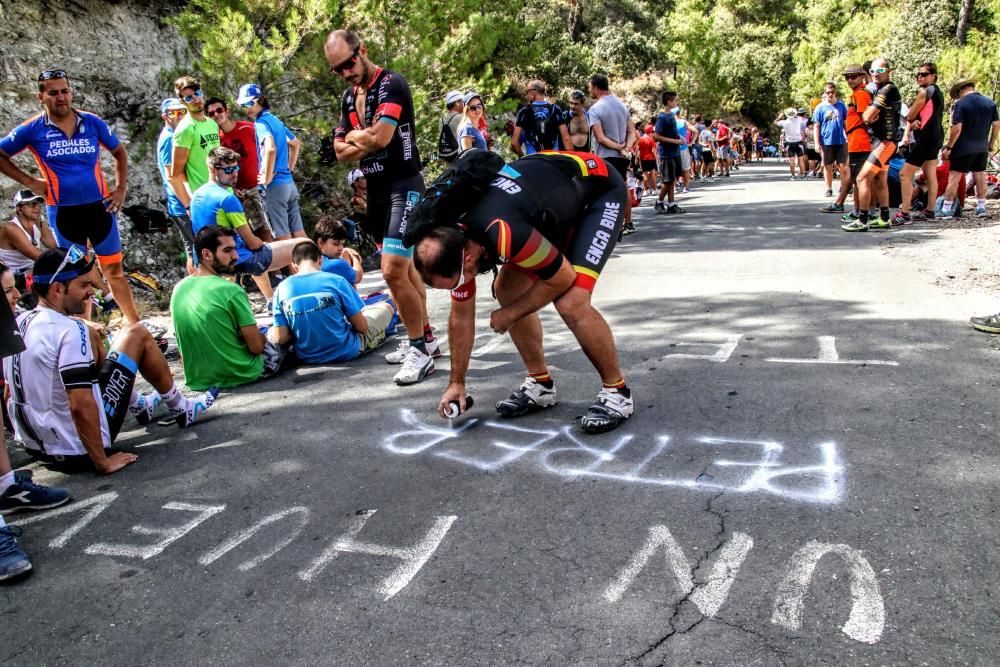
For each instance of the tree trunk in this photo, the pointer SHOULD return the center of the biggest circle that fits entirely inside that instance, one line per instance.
(575, 21)
(964, 18)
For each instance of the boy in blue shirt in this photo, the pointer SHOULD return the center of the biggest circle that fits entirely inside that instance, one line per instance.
(331, 236)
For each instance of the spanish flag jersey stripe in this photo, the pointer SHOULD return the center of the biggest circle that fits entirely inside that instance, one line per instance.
(585, 271)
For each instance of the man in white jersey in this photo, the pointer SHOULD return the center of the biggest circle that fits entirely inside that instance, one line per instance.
(68, 398)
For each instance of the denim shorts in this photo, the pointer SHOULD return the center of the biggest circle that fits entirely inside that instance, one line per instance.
(258, 263)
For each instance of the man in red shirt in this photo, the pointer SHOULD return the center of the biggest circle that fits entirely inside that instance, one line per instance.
(724, 137)
(240, 136)
(647, 159)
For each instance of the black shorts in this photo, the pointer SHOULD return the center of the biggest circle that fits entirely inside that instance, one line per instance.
(835, 154)
(707, 157)
(87, 223)
(620, 164)
(116, 380)
(969, 162)
(670, 169)
(856, 160)
(795, 148)
(924, 151)
(183, 225)
(389, 210)
(812, 155)
(648, 165)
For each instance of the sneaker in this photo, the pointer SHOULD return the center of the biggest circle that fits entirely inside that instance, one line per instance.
(269, 307)
(981, 212)
(833, 208)
(879, 223)
(155, 330)
(794, 178)
(608, 412)
(24, 494)
(922, 216)
(416, 366)
(660, 207)
(195, 407)
(530, 397)
(13, 561)
(988, 324)
(145, 407)
(673, 210)
(398, 355)
(686, 190)
(629, 229)
(900, 219)
(855, 226)
(828, 193)
(850, 217)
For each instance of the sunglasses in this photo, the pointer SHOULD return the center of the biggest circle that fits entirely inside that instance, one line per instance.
(347, 64)
(921, 75)
(227, 170)
(73, 256)
(190, 98)
(51, 74)
(879, 70)
(475, 107)
(249, 105)
(215, 112)
(851, 77)
(176, 113)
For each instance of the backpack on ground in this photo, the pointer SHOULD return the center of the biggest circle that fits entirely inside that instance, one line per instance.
(452, 193)
(447, 141)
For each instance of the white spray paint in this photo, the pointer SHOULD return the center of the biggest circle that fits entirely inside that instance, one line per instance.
(724, 350)
(628, 459)
(245, 535)
(828, 355)
(867, 617)
(708, 596)
(168, 535)
(94, 507)
(413, 557)
(238, 442)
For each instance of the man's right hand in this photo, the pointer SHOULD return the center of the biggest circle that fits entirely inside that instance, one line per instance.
(115, 462)
(454, 392)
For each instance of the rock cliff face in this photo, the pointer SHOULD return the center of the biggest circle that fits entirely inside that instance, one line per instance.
(114, 53)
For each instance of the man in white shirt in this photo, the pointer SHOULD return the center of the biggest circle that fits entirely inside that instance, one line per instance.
(792, 126)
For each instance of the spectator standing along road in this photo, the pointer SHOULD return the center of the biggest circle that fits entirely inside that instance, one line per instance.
(540, 125)
(973, 136)
(194, 136)
(924, 118)
(614, 134)
(172, 110)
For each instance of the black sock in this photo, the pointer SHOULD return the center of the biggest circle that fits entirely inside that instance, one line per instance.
(863, 217)
(419, 343)
(884, 214)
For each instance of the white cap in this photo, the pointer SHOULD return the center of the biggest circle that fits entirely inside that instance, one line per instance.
(452, 97)
(354, 175)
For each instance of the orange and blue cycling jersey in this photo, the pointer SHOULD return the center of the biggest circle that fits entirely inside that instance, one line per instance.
(70, 165)
(547, 207)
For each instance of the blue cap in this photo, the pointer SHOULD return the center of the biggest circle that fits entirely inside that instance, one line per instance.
(170, 104)
(471, 95)
(248, 91)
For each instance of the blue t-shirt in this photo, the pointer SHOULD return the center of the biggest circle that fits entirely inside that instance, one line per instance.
(340, 267)
(832, 119)
(666, 126)
(268, 125)
(315, 307)
(682, 132)
(164, 151)
(71, 166)
(467, 130)
(212, 204)
(976, 113)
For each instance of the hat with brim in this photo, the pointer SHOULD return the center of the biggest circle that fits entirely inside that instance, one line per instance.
(790, 112)
(27, 197)
(248, 92)
(47, 267)
(171, 104)
(956, 90)
(452, 97)
(854, 69)
(471, 95)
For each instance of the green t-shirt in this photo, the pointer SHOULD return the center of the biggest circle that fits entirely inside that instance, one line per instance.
(208, 312)
(199, 138)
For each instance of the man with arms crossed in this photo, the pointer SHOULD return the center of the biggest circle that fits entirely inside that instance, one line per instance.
(975, 127)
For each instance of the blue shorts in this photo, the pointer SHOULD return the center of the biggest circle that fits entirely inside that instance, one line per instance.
(258, 263)
(695, 152)
(282, 205)
(87, 223)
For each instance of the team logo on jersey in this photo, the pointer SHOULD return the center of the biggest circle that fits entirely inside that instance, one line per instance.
(207, 140)
(592, 164)
(609, 219)
(406, 136)
(507, 185)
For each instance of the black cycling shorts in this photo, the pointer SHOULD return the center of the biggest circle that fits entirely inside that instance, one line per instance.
(969, 162)
(87, 223)
(856, 160)
(924, 150)
(116, 380)
(389, 210)
(648, 165)
(620, 164)
(795, 148)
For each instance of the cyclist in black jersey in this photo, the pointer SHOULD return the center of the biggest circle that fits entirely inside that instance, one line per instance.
(377, 129)
(550, 220)
(924, 118)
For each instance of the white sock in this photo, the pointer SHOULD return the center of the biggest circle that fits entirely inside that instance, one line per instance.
(6, 482)
(946, 206)
(980, 203)
(174, 399)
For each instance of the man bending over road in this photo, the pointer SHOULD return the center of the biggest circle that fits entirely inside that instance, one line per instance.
(513, 222)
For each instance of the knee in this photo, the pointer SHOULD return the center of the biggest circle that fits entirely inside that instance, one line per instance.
(574, 306)
(395, 269)
(113, 271)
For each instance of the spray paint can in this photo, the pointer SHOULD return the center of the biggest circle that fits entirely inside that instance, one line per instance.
(455, 409)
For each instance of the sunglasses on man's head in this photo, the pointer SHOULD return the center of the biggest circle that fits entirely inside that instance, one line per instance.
(227, 170)
(52, 74)
(74, 255)
(347, 64)
(190, 98)
(878, 70)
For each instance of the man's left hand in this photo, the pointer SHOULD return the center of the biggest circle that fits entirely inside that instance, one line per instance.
(500, 320)
(115, 200)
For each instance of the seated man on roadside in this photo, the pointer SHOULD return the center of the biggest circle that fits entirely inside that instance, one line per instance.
(70, 418)
(23, 238)
(217, 334)
(215, 204)
(323, 315)
(331, 237)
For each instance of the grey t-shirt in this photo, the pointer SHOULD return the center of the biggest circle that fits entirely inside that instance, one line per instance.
(614, 118)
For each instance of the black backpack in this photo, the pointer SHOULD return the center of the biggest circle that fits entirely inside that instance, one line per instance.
(452, 193)
(447, 141)
(544, 131)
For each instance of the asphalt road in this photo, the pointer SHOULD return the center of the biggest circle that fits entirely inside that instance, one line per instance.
(810, 478)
